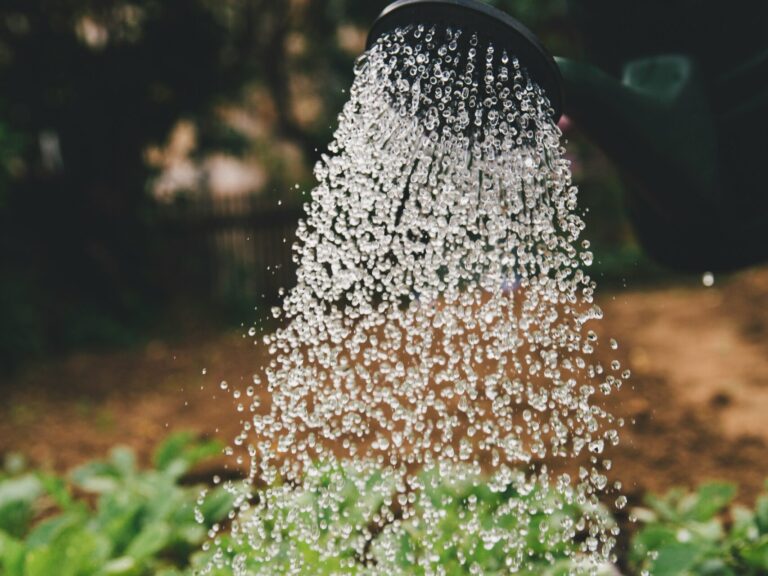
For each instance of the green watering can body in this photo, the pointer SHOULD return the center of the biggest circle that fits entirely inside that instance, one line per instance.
(688, 127)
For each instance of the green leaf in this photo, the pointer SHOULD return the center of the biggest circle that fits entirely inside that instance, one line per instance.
(761, 514)
(190, 533)
(161, 497)
(715, 567)
(14, 464)
(666, 506)
(172, 449)
(123, 566)
(119, 517)
(711, 531)
(53, 528)
(124, 461)
(96, 477)
(711, 499)
(183, 450)
(17, 496)
(151, 540)
(57, 489)
(650, 539)
(756, 555)
(74, 552)
(677, 559)
(217, 505)
(12, 553)
(744, 526)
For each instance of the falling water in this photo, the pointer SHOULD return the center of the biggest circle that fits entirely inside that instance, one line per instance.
(441, 332)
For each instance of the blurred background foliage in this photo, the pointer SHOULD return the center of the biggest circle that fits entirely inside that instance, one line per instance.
(112, 110)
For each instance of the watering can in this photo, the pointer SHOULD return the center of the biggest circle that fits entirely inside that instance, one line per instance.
(687, 127)
(684, 117)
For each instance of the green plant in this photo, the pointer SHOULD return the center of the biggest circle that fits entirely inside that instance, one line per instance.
(130, 522)
(340, 523)
(702, 534)
(344, 540)
(111, 518)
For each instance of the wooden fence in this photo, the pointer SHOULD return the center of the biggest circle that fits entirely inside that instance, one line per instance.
(234, 248)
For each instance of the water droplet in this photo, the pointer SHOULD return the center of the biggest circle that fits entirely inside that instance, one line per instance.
(442, 322)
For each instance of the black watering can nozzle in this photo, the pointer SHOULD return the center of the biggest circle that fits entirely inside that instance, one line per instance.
(492, 26)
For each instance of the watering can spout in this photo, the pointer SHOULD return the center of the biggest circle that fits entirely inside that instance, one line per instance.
(689, 155)
(654, 123)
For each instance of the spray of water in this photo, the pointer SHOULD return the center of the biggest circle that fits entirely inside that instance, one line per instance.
(440, 333)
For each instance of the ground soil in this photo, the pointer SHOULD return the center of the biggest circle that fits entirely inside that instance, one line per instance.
(696, 407)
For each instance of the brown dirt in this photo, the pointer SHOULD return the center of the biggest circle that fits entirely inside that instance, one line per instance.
(696, 407)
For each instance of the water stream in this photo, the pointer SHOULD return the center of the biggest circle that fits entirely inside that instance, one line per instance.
(442, 331)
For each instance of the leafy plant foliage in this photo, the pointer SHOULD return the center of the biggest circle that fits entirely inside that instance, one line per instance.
(142, 521)
(111, 518)
(406, 551)
(702, 534)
